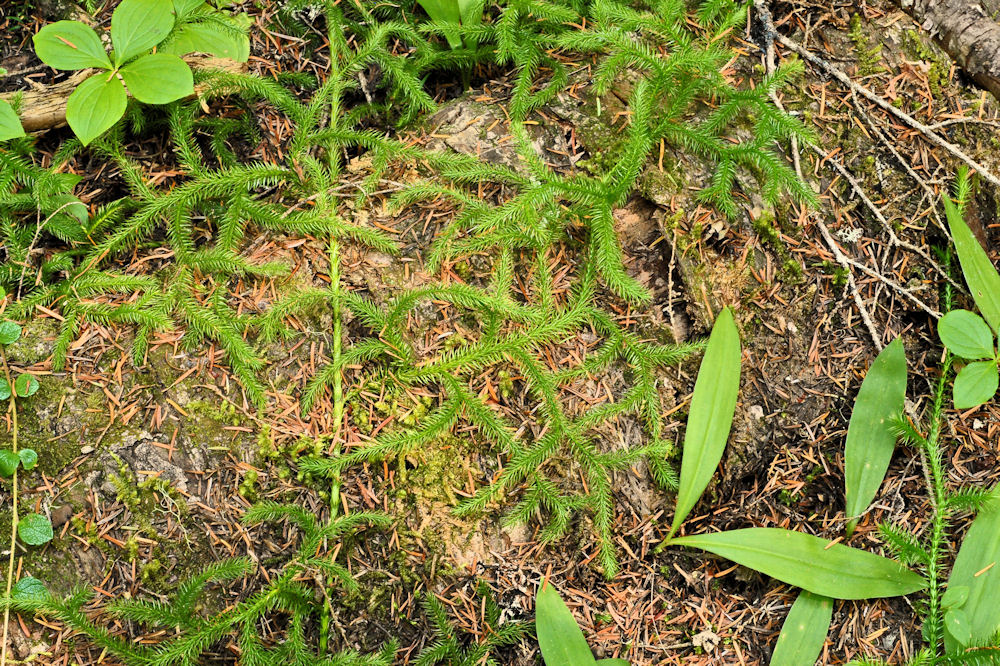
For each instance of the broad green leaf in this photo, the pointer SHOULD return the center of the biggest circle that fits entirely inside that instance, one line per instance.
(208, 38)
(804, 631)
(559, 638)
(955, 597)
(10, 124)
(4, 389)
(977, 568)
(28, 458)
(817, 565)
(28, 588)
(9, 332)
(159, 78)
(979, 272)
(34, 529)
(966, 335)
(975, 384)
(711, 414)
(956, 621)
(445, 11)
(95, 105)
(184, 7)
(25, 386)
(870, 439)
(8, 463)
(70, 45)
(139, 25)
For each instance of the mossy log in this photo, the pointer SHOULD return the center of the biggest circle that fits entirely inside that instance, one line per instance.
(967, 32)
(45, 108)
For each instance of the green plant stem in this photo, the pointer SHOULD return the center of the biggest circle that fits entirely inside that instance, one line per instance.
(13, 520)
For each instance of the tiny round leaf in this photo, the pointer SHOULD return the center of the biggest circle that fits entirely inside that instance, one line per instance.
(966, 335)
(955, 596)
(29, 588)
(958, 625)
(9, 332)
(8, 463)
(28, 458)
(975, 384)
(25, 386)
(35, 529)
(4, 389)
(70, 45)
(95, 106)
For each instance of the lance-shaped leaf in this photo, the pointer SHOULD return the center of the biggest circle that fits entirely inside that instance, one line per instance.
(804, 631)
(977, 568)
(870, 438)
(711, 415)
(979, 272)
(817, 565)
(559, 638)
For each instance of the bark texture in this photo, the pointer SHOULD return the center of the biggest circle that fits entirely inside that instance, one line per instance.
(967, 32)
(46, 108)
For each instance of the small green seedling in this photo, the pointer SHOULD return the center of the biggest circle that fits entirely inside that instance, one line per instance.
(10, 124)
(455, 13)
(966, 334)
(559, 637)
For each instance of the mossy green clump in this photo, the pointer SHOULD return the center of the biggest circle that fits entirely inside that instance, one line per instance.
(869, 51)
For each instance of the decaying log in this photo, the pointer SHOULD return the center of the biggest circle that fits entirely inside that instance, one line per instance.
(967, 32)
(46, 108)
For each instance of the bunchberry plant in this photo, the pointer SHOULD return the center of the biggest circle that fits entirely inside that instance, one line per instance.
(137, 26)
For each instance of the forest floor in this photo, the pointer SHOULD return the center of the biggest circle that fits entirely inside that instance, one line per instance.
(146, 471)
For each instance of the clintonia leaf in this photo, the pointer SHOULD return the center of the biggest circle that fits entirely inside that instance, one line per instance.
(70, 45)
(870, 438)
(447, 12)
(10, 124)
(966, 335)
(158, 78)
(139, 25)
(804, 631)
(34, 529)
(95, 105)
(559, 637)
(979, 272)
(976, 569)
(975, 384)
(814, 564)
(184, 7)
(711, 415)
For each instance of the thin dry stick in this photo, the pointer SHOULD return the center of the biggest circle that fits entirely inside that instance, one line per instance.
(905, 117)
(852, 283)
(893, 238)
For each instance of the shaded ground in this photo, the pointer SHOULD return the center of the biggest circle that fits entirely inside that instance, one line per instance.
(148, 470)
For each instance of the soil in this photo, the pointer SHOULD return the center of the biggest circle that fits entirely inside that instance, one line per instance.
(146, 470)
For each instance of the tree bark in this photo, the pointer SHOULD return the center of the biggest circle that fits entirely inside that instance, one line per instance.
(46, 108)
(966, 32)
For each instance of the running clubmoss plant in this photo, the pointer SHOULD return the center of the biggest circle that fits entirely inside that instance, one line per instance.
(190, 632)
(32, 529)
(449, 648)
